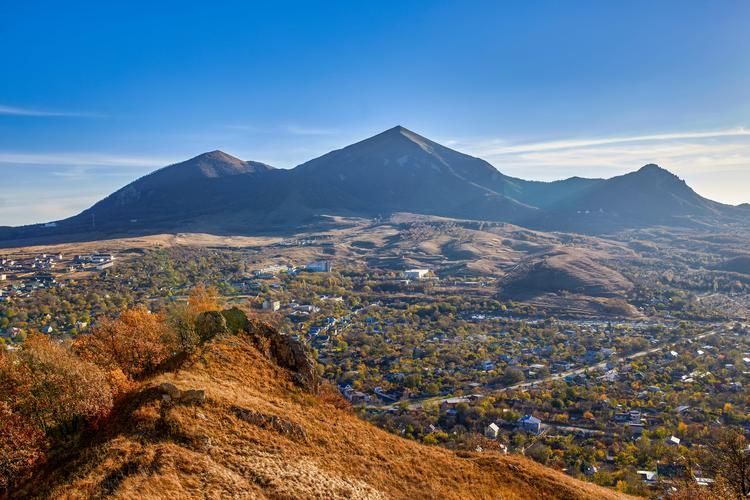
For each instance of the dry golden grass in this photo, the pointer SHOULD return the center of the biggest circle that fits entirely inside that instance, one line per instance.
(151, 450)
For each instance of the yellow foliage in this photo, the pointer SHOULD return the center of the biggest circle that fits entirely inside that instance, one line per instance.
(136, 342)
(204, 299)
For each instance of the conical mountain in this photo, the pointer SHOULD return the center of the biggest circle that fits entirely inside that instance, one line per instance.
(399, 170)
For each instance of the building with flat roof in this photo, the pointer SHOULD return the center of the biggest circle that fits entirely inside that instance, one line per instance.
(416, 274)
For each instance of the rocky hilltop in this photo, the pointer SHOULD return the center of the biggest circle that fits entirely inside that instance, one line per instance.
(247, 417)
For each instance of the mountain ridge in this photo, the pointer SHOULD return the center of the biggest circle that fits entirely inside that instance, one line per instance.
(394, 171)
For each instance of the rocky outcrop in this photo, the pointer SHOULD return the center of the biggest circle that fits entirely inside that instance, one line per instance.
(287, 352)
(193, 397)
(211, 324)
(284, 350)
(271, 422)
(171, 394)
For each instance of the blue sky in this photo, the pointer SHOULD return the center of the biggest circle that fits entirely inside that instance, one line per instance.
(95, 94)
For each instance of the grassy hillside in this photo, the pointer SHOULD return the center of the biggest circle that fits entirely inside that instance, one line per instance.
(258, 434)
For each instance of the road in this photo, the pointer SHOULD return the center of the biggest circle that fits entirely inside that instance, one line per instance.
(419, 402)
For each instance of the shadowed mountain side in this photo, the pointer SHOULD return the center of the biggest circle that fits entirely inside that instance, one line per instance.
(400, 171)
(739, 264)
(648, 197)
(394, 171)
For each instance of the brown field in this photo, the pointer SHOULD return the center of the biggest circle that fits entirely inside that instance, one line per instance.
(531, 265)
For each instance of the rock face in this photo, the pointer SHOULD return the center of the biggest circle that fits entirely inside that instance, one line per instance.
(287, 352)
(171, 394)
(193, 397)
(271, 422)
(211, 324)
(169, 389)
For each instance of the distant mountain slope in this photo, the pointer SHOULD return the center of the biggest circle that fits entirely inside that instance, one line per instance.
(548, 194)
(394, 171)
(401, 171)
(260, 435)
(167, 199)
(209, 182)
(649, 196)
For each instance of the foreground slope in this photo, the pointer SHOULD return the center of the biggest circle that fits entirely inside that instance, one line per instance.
(260, 435)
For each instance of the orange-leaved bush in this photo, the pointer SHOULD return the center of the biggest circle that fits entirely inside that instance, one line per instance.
(136, 342)
(45, 383)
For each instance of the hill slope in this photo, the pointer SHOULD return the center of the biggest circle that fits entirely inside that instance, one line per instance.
(739, 264)
(565, 270)
(260, 435)
(649, 196)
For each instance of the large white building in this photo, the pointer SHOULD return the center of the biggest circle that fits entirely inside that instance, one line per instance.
(271, 305)
(416, 274)
(323, 266)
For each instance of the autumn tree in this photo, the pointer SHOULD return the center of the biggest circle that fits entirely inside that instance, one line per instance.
(184, 324)
(204, 298)
(47, 384)
(136, 342)
(183, 317)
(512, 376)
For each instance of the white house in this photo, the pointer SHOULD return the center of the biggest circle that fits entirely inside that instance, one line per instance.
(416, 274)
(492, 431)
(529, 423)
(271, 305)
(673, 441)
(648, 476)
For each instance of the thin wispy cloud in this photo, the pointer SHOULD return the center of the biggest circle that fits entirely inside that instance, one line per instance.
(697, 156)
(19, 111)
(497, 146)
(242, 128)
(81, 159)
(303, 130)
(291, 129)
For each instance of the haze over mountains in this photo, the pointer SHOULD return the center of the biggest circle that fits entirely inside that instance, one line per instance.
(394, 171)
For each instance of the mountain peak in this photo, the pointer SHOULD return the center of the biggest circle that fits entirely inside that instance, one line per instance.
(654, 169)
(398, 132)
(215, 155)
(397, 129)
(215, 163)
(651, 167)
